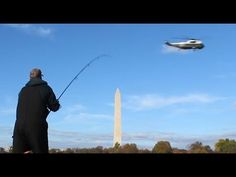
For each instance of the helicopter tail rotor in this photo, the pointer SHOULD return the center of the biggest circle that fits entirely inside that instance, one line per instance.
(167, 43)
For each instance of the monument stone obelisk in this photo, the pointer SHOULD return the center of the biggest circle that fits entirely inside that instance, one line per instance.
(117, 116)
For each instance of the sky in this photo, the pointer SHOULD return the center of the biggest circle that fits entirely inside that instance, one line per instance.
(166, 94)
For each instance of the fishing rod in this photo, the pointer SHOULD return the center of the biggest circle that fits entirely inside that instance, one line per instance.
(87, 65)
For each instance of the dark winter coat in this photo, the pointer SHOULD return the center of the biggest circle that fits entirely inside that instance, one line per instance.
(34, 102)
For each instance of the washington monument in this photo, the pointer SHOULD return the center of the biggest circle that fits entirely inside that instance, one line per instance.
(117, 116)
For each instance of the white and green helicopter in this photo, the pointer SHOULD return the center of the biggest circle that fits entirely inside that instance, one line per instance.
(188, 44)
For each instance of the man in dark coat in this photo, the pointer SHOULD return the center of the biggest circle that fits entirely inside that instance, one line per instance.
(36, 99)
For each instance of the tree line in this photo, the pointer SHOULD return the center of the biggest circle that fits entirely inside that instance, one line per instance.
(222, 146)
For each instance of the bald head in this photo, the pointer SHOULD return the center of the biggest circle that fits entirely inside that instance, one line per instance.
(36, 73)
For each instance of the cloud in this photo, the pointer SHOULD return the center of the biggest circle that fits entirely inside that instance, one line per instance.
(78, 113)
(144, 102)
(64, 139)
(77, 117)
(32, 29)
(149, 139)
(70, 139)
(75, 108)
(7, 111)
(234, 105)
(230, 75)
(6, 136)
(220, 76)
(168, 49)
(8, 107)
(86, 117)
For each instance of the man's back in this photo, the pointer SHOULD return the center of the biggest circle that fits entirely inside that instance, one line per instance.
(34, 102)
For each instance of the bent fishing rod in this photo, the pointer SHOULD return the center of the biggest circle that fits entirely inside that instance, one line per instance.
(77, 75)
(87, 65)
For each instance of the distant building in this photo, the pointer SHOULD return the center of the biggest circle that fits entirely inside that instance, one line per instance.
(117, 118)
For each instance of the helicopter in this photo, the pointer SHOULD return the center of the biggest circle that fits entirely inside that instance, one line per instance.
(188, 44)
